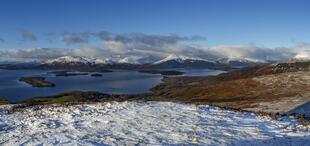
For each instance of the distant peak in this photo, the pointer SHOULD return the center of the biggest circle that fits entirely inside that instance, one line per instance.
(240, 59)
(302, 56)
(179, 58)
(128, 60)
(78, 59)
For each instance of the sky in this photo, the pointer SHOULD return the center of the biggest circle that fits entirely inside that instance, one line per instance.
(121, 25)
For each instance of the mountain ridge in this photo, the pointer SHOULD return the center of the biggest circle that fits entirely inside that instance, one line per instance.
(148, 62)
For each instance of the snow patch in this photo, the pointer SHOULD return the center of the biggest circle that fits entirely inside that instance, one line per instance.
(179, 59)
(129, 60)
(145, 123)
(76, 59)
(305, 55)
(241, 60)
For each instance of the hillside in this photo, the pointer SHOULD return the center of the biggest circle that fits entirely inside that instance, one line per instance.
(277, 87)
(175, 61)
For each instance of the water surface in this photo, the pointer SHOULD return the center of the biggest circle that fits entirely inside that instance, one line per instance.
(117, 82)
(199, 72)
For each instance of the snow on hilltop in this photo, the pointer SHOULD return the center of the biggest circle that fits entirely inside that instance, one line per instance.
(240, 60)
(129, 60)
(145, 123)
(145, 60)
(179, 58)
(77, 59)
(138, 59)
(303, 55)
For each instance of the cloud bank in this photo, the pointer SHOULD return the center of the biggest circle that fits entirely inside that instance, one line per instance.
(114, 49)
(71, 38)
(139, 45)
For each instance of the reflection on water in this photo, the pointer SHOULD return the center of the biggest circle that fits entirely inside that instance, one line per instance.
(118, 82)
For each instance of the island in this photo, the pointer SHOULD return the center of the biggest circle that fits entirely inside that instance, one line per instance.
(163, 72)
(67, 73)
(96, 75)
(37, 82)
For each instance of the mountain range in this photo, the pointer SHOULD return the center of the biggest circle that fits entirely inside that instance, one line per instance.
(148, 62)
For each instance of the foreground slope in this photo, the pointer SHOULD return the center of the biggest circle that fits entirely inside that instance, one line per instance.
(153, 123)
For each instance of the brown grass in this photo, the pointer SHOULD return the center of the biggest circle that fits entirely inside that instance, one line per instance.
(235, 92)
(3, 102)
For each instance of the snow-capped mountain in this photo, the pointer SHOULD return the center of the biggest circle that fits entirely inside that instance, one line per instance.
(301, 61)
(180, 59)
(138, 60)
(176, 61)
(302, 56)
(129, 60)
(72, 60)
(241, 62)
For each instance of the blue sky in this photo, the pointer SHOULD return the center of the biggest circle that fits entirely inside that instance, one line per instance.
(269, 23)
(261, 23)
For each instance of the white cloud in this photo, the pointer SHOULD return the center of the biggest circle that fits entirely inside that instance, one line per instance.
(91, 52)
(140, 45)
(114, 48)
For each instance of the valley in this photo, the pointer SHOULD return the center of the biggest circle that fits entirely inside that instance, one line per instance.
(260, 93)
(154, 73)
(238, 101)
(264, 88)
(259, 88)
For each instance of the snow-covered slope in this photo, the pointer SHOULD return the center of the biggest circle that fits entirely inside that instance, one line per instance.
(179, 59)
(78, 60)
(92, 61)
(176, 61)
(302, 56)
(138, 59)
(241, 61)
(146, 123)
(129, 60)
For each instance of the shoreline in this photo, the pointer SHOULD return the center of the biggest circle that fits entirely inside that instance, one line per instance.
(244, 89)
